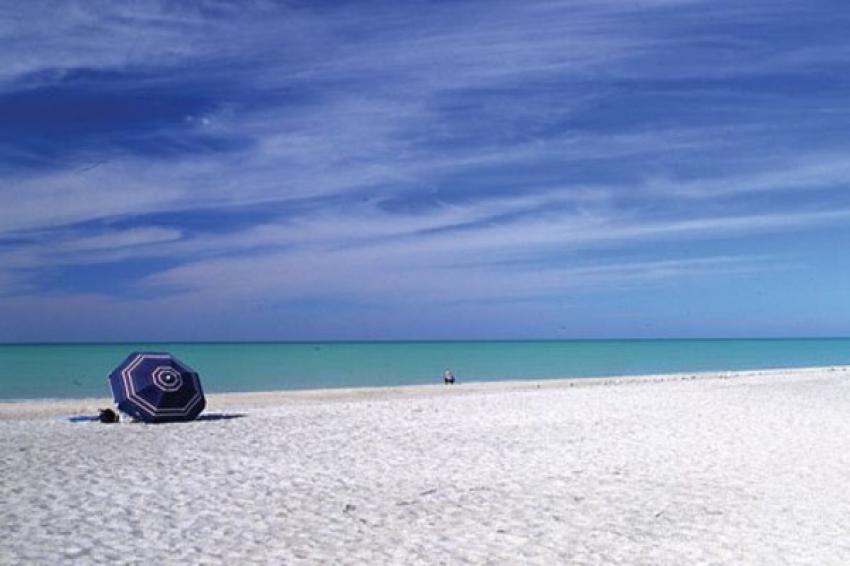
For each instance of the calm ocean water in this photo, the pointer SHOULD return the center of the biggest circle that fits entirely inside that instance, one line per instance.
(80, 370)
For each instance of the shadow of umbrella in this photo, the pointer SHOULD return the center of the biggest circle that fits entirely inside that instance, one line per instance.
(220, 417)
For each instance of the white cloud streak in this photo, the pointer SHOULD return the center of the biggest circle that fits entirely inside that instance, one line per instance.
(397, 107)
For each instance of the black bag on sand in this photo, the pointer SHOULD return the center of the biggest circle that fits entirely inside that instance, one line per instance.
(108, 416)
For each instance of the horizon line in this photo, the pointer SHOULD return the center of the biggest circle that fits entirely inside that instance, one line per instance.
(424, 340)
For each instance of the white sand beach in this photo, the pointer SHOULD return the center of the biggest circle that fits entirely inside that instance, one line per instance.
(747, 468)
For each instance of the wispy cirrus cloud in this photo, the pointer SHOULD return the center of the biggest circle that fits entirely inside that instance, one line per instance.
(436, 153)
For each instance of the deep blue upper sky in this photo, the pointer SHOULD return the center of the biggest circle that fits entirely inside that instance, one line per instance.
(398, 170)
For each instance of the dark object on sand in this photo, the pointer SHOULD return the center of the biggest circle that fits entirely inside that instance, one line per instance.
(156, 387)
(448, 377)
(108, 416)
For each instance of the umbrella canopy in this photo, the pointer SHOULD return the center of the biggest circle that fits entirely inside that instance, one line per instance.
(156, 387)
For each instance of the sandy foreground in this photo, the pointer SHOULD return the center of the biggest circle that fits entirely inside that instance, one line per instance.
(726, 468)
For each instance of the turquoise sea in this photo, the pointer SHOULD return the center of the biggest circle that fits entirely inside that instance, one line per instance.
(79, 370)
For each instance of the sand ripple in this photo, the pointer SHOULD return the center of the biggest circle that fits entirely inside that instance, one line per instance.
(752, 470)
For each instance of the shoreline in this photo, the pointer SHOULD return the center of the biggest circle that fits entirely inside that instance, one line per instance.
(26, 409)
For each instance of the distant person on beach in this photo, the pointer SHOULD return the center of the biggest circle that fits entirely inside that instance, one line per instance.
(448, 377)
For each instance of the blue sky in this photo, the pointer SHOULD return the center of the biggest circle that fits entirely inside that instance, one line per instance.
(408, 170)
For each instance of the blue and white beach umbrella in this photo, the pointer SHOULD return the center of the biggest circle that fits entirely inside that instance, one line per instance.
(156, 387)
